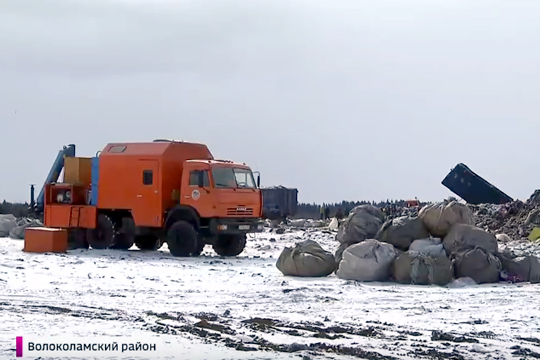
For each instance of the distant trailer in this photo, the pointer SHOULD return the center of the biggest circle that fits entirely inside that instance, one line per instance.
(472, 188)
(279, 202)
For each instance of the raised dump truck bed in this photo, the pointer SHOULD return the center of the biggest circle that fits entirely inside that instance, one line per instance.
(472, 188)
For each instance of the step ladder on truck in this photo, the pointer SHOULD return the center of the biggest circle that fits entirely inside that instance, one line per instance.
(150, 193)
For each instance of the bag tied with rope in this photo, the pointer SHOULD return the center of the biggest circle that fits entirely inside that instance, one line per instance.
(466, 237)
(307, 258)
(363, 222)
(420, 268)
(439, 218)
(402, 231)
(478, 264)
(370, 260)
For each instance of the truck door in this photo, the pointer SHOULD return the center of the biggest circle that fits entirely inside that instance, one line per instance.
(147, 211)
(193, 195)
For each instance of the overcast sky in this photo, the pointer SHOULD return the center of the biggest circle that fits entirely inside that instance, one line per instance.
(340, 99)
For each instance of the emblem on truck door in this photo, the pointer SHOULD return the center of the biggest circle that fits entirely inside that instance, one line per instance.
(195, 195)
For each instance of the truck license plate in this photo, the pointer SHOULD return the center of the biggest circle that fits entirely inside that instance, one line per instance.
(243, 227)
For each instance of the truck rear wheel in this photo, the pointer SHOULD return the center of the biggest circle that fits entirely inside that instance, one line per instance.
(148, 242)
(102, 236)
(182, 239)
(230, 244)
(125, 236)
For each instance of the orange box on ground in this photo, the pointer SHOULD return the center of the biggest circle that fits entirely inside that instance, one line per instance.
(42, 240)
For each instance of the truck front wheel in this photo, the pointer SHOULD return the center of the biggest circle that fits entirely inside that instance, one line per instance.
(182, 239)
(200, 246)
(230, 244)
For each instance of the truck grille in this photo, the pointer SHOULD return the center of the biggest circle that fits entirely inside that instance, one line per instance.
(240, 211)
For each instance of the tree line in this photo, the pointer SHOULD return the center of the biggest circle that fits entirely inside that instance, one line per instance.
(313, 211)
(304, 211)
(17, 209)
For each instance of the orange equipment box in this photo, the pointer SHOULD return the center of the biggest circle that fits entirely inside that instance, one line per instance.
(42, 240)
(77, 170)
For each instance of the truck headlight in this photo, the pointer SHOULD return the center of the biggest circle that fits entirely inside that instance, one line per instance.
(260, 226)
(222, 227)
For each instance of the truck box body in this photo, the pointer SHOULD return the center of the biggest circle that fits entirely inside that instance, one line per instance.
(147, 179)
(286, 199)
(141, 177)
(472, 188)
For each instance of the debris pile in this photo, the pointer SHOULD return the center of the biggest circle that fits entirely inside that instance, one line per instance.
(7, 222)
(13, 227)
(441, 244)
(516, 219)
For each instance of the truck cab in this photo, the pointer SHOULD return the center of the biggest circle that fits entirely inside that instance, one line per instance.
(225, 196)
(221, 190)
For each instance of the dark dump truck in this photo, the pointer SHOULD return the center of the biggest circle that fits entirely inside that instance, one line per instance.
(472, 188)
(279, 202)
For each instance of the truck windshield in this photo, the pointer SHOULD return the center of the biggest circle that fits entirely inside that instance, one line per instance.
(244, 178)
(226, 177)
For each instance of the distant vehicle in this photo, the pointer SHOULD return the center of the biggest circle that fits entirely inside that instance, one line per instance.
(413, 203)
(279, 202)
(149, 193)
(472, 188)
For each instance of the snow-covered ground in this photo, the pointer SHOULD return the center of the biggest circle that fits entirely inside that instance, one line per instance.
(244, 308)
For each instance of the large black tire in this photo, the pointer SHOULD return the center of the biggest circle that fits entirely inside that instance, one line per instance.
(124, 237)
(102, 237)
(123, 242)
(182, 239)
(77, 239)
(148, 242)
(230, 244)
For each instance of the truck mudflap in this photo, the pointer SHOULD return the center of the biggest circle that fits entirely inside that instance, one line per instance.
(235, 226)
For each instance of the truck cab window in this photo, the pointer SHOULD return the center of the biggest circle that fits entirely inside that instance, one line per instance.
(244, 178)
(148, 177)
(224, 177)
(194, 178)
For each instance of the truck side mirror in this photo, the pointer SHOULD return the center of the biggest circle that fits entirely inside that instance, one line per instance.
(258, 181)
(201, 179)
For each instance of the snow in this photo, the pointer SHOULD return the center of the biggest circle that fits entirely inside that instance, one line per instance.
(91, 293)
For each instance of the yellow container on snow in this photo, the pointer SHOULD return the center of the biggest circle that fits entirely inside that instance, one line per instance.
(535, 234)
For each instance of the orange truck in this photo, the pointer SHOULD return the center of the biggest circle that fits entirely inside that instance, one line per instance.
(149, 193)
